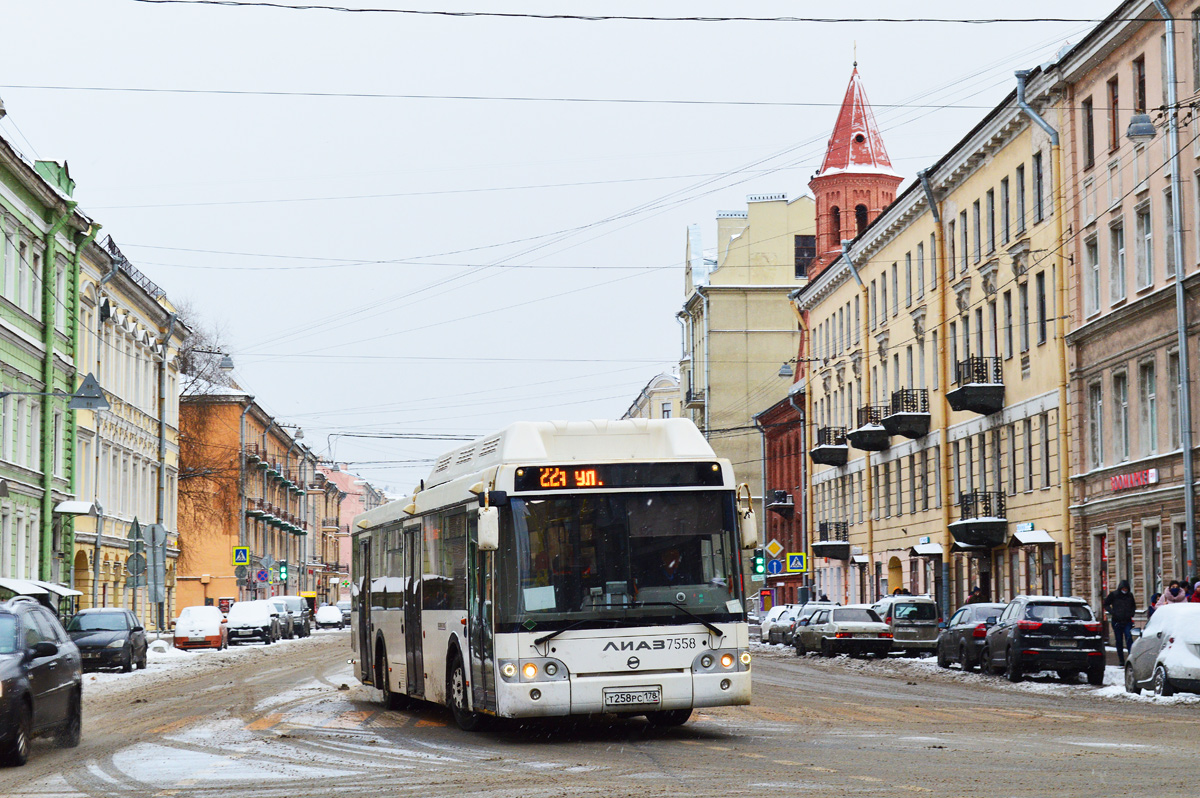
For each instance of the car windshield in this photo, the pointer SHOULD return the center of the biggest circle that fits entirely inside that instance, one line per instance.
(914, 611)
(616, 555)
(855, 615)
(99, 622)
(294, 603)
(1058, 612)
(8, 634)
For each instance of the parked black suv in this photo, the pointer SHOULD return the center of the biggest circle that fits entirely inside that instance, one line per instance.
(41, 680)
(1045, 633)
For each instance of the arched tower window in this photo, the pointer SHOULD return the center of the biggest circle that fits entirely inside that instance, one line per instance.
(835, 227)
(860, 218)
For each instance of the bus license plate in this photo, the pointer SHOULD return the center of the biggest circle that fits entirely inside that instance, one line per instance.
(630, 696)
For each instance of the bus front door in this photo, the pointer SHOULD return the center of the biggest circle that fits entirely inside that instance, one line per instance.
(413, 648)
(366, 658)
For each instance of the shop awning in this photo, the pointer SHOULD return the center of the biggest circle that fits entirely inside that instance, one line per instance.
(860, 559)
(23, 587)
(926, 550)
(57, 589)
(74, 507)
(966, 548)
(1034, 537)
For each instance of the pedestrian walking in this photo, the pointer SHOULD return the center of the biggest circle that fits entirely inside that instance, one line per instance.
(975, 597)
(1121, 606)
(1195, 599)
(1173, 594)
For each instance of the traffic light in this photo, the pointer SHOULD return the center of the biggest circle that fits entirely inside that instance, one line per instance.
(760, 563)
(283, 571)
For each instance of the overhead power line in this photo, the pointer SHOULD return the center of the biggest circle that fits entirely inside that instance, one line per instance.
(609, 17)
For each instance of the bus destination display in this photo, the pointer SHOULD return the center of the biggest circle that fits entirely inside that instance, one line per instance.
(617, 475)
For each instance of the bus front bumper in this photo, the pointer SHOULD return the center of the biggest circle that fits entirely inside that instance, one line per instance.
(589, 694)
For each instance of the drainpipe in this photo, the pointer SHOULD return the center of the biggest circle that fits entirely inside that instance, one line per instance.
(96, 552)
(160, 514)
(802, 497)
(1060, 328)
(869, 475)
(1185, 402)
(943, 464)
(49, 259)
(72, 420)
(241, 455)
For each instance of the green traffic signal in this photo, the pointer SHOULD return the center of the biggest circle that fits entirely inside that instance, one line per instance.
(760, 562)
(283, 572)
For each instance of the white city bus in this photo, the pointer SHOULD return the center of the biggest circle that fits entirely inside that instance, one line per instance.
(554, 569)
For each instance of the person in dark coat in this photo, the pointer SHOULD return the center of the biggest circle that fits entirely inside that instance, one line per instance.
(975, 597)
(1120, 606)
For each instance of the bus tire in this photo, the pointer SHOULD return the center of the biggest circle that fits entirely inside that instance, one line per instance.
(391, 700)
(665, 718)
(456, 696)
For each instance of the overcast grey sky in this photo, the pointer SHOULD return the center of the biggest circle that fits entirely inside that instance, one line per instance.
(354, 249)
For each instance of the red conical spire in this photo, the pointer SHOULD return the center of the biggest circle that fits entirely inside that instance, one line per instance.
(856, 145)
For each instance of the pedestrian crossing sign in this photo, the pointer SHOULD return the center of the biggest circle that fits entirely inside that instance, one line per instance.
(241, 555)
(797, 563)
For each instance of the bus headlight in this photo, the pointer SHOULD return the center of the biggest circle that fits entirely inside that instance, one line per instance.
(745, 657)
(509, 670)
(726, 660)
(529, 671)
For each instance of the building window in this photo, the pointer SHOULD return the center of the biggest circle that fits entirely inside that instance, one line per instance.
(953, 353)
(1021, 198)
(977, 250)
(1089, 134)
(908, 280)
(1095, 419)
(920, 271)
(1027, 432)
(1008, 325)
(991, 220)
(950, 239)
(1145, 247)
(1139, 85)
(1012, 459)
(1114, 124)
(1023, 310)
(1170, 233)
(1004, 220)
(873, 304)
(963, 240)
(1045, 421)
(895, 289)
(860, 219)
(1089, 200)
(1116, 277)
(883, 303)
(666, 409)
(1040, 280)
(1091, 257)
(1174, 390)
(887, 489)
(1196, 50)
(1039, 200)
(806, 252)
(957, 476)
(835, 227)
(933, 266)
(1148, 401)
(936, 356)
(1121, 416)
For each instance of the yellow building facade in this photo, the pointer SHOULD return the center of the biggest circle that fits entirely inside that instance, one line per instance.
(127, 457)
(659, 399)
(935, 388)
(738, 329)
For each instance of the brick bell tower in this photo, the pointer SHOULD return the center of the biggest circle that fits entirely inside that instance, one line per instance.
(856, 181)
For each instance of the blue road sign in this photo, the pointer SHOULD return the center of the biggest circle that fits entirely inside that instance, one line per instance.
(262, 575)
(797, 563)
(774, 566)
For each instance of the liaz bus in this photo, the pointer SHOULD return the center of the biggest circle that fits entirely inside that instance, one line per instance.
(565, 568)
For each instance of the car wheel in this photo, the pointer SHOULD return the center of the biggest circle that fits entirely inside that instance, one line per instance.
(826, 649)
(1012, 667)
(1131, 683)
(798, 644)
(942, 660)
(964, 658)
(141, 663)
(1095, 676)
(71, 730)
(665, 718)
(18, 748)
(127, 662)
(1162, 683)
(456, 696)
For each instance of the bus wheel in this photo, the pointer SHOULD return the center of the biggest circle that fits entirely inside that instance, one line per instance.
(456, 697)
(391, 700)
(669, 717)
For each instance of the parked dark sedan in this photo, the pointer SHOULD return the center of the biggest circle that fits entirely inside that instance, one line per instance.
(40, 680)
(962, 639)
(1040, 633)
(109, 638)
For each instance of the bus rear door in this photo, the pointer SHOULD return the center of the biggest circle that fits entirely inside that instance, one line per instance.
(366, 657)
(413, 644)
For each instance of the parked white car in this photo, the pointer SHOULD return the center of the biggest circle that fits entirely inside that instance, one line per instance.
(201, 627)
(328, 617)
(253, 620)
(1166, 657)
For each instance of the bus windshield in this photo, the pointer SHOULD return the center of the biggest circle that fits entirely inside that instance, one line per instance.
(620, 555)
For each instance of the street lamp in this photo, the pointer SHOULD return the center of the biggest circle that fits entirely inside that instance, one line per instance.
(226, 363)
(786, 370)
(1141, 130)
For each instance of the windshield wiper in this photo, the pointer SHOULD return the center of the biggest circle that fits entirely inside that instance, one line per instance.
(548, 637)
(711, 628)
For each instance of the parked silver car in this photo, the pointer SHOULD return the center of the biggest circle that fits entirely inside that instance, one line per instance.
(855, 630)
(913, 620)
(1166, 657)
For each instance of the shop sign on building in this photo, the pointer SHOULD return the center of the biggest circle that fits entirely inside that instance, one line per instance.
(1134, 479)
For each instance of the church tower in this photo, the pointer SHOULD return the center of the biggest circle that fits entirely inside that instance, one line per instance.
(856, 181)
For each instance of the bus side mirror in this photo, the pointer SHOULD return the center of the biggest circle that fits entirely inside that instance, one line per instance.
(749, 529)
(489, 529)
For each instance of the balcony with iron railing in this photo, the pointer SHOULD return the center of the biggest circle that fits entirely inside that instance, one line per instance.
(329, 524)
(832, 540)
(980, 383)
(693, 398)
(870, 435)
(831, 447)
(782, 504)
(908, 414)
(983, 519)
